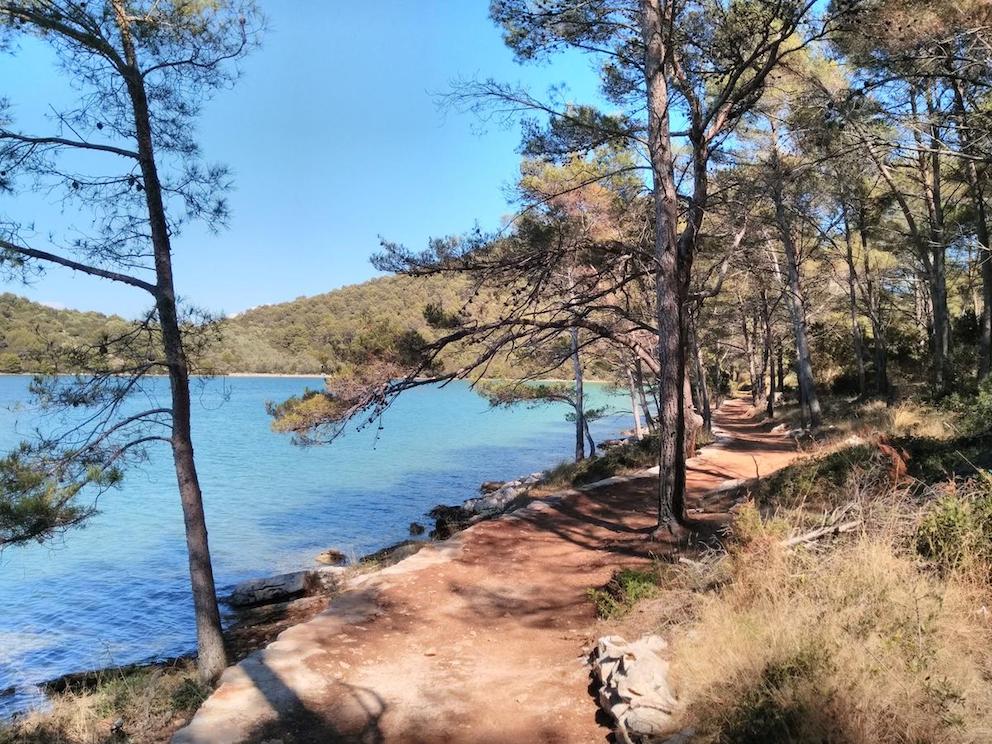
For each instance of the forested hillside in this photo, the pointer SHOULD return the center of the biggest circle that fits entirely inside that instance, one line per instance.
(30, 330)
(310, 334)
(306, 335)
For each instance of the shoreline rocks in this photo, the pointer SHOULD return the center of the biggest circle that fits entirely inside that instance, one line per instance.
(332, 558)
(284, 587)
(497, 500)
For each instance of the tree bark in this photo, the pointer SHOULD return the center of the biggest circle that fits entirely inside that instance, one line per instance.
(704, 392)
(671, 433)
(211, 655)
(804, 364)
(873, 302)
(781, 369)
(981, 231)
(580, 410)
(933, 248)
(749, 351)
(856, 340)
(635, 408)
(645, 408)
(767, 360)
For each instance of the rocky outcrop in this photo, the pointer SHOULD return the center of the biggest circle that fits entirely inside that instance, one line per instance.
(285, 587)
(331, 558)
(393, 553)
(632, 686)
(497, 501)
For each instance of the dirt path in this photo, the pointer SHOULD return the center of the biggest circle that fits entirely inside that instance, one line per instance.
(476, 640)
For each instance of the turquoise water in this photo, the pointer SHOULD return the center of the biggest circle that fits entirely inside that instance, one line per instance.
(117, 590)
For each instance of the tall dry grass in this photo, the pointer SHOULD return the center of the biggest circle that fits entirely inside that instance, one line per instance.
(140, 705)
(879, 636)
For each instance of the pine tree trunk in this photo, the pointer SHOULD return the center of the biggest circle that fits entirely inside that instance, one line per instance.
(804, 364)
(749, 352)
(671, 434)
(767, 360)
(211, 656)
(635, 408)
(580, 415)
(781, 369)
(856, 340)
(981, 231)
(645, 408)
(704, 392)
(873, 302)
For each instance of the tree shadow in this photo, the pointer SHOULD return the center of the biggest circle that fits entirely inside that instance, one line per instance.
(356, 719)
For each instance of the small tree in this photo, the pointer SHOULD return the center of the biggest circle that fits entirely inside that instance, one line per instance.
(129, 170)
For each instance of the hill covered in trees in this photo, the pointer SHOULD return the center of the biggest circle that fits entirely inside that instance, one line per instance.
(304, 336)
(311, 334)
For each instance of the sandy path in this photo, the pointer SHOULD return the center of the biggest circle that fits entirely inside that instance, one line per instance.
(475, 640)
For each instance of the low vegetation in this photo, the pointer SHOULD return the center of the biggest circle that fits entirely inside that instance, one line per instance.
(878, 634)
(142, 704)
(618, 459)
(625, 589)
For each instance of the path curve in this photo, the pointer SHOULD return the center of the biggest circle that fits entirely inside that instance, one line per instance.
(475, 640)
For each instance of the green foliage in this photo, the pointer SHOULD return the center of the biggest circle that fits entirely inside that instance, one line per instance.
(323, 334)
(32, 334)
(146, 700)
(933, 460)
(625, 589)
(618, 459)
(776, 707)
(823, 481)
(501, 393)
(956, 532)
(38, 493)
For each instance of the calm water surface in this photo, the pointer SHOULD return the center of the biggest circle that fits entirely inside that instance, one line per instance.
(117, 590)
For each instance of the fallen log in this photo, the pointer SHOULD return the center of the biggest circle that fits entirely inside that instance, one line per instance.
(830, 529)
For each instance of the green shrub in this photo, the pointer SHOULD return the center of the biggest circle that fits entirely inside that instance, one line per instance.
(778, 706)
(627, 587)
(956, 532)
(821, 481)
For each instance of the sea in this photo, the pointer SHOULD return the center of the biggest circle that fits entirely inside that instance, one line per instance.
(116, 591)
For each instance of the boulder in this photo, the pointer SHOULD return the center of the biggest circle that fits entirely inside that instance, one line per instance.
(633, 688)
(331, 558)
(282, 587)
(416, 528)
(490, 486)
(448, 520)
(394, 553)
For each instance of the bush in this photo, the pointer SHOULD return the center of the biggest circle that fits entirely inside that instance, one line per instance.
(825, 481)
(148, 702)
(628, 456)
(843, 644)
(627, 587)
(776, 709)
(956, 532)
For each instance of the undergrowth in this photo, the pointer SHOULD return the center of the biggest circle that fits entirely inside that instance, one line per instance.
(615, 460)
(141, 704)
(880, 634)
(855, 641)
(625, 589)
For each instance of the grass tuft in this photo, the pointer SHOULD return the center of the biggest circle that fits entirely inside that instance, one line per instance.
(627, 587)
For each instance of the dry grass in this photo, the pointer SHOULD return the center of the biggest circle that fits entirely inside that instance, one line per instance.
(906, 419)
(883, 636)
(140, 705)
(852, 645)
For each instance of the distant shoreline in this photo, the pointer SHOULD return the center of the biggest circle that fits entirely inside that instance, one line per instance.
(310, 376)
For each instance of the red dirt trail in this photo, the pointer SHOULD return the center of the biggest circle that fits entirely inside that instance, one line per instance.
(476, 640)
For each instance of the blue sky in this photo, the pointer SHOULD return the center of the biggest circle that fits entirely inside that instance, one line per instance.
(334, 137)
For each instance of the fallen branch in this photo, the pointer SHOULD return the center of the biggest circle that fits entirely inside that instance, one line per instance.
(833, 529)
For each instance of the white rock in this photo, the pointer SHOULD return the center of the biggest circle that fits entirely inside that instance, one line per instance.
(633, 688)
